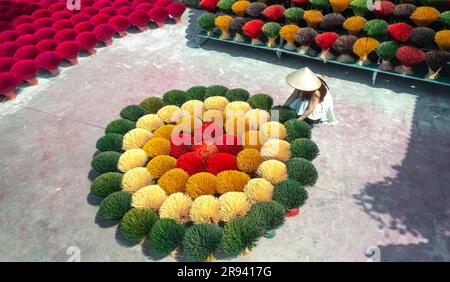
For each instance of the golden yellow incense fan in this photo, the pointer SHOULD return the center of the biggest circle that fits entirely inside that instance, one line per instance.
(339, 6)
(239, 7)
(223, 23)
(288, 33)
(423, 16)
(363, 47)
(313, 17)
(354, 24)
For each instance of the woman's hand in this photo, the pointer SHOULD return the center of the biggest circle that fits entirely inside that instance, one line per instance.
(313, 102)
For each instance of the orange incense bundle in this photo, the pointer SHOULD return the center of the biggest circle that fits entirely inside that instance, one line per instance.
(339, 6)
(363, 47)
(223, 23)
(239, 7)
(312, 17)
(423, 16)
(288, 33)
(354, 24)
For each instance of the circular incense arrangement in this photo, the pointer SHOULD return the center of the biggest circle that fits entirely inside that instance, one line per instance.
(202, 171)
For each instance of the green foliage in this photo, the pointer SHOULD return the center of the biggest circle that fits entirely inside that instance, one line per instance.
(174, 97)
(151, 105)
(271, 29)
(215, 90)
(304, 148)
(166, 235)
(225, 5)
(237, 94)
(110, 142)
(206, 21)
(376, 28)
(319, 4)
(294, 15)
(359, 7)
(386, 50)
(260, 101)
(285, 113)
(132, 112)
(115, 205)
(445, 19)
(106, 162)
(297, 129)
(302, 171)
(106, 184)
(267, 215)
(120, 126)
(239, 234)
(202, 240)
(196, 93)
(137, 223)
(290, 194)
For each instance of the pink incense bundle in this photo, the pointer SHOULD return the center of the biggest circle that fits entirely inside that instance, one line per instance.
(8, 49)
(81, 17)
(26, 70)
(41, 13)
(27, 39)
(8, 36)
(119, 4)
(121, 24)
(43, 22)
(8, 84)
(49, 61)
(45, 33)
(110, 11)
(99, 19)
(91, 11)
(87, 40)
(105, 33)
(163, 3)
(139, 19)
(69, 51)
(25, 28)
(55, 7)
(176, 10)
(125, 11)
(159, 15)
(28, 52)
(84, 26)
(6, 63)
(22, 19)
(47, 45)
(61, 15)
(62, 24)
(99, 4)
(66, 34)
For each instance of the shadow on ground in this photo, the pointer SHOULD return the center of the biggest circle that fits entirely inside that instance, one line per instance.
(415, 202)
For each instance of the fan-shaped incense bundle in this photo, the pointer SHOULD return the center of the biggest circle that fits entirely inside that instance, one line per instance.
(363, 47)
(344, 45)
(423, 16)
(312, 17)
(339, 6)
(239, 7)
(383, 9)
(223, 23)
(255, 9)
(288, 33)
(272, 31)
(236, 28)
(386, 51)
(319, 4)
(294, 15)
(359, 7)
(445, 19)
(354, 24)
(436, 60)
(225, 5)
(400, 31)
(209, 5)
(404, 11)
(207, 22)
(332, 21)
(176, 10)
(442, 39)
(376, 28)
(408, 56)
(325, 42)
(300, 2)
(423, 36)
(305, 37)
(253, 29)
(273, 12)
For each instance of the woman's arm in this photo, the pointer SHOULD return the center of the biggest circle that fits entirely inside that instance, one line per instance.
(313, 102)
(291, 98)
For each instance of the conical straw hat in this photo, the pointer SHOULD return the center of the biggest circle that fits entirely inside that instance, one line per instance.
(304, 79)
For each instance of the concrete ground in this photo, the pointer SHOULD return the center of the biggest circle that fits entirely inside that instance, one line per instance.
(384, 171)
